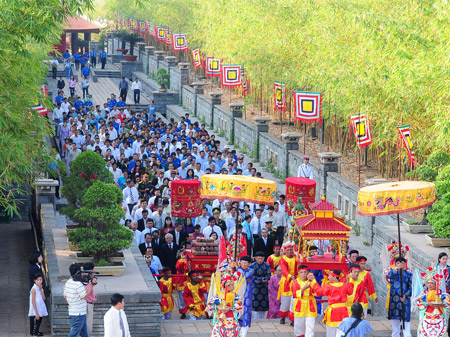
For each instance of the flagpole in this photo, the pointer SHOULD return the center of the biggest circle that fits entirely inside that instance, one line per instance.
(359, 148)
(304, 141)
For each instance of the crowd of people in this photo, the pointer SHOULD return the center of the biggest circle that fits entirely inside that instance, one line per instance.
(145, 154)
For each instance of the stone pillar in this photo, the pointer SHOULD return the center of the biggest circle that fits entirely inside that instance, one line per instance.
(110, 44)
(159, 54)
(328, 163)
(45, 191)
(216, 99)
(73, 40)
(236, 112)
(198, 88)
(262, 125)
(140, 50)
(149, 52)
(184, 71)
(290, 144)
(128, 67)
(171, 63)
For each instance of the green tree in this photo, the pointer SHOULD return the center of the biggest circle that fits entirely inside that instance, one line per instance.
(28, 32)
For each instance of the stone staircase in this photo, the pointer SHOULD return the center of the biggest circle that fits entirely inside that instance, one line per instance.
(107, 73)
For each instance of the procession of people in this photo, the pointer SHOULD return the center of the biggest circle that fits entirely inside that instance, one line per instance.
(268, 279)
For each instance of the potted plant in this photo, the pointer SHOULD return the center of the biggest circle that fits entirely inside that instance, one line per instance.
(132, 38)
(163, 79)
(103, 237)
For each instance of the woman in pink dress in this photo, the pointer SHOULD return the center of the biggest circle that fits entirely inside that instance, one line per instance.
(274, 304)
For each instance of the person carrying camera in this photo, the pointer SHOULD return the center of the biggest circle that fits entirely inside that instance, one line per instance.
(75, 294)
(92, 298)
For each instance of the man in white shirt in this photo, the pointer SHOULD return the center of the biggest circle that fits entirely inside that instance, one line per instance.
(112, 132)
(138, 212)
(136, 232)
(75, 294)
(130, 195)
(230, 221)
(91, 146)
(257, 224)
(305, 170)
(116, 172)
(282, 203)
(159, 217)
(136, 87)
(115, 321)
(65, 105)
(202, 220)
(198, 171)
(212, 228)
(182, 170)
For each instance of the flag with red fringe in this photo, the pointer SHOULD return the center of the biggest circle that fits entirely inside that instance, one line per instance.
(142, 27)
(404, 133)
(133, 24)
(308, 106)
(245, 82)
(197, 58)
(213, 67)
(231, 75)
(161, 33)
(360, 125)
(180, 42)
(168, 37)
(279, 96)
(151, 28)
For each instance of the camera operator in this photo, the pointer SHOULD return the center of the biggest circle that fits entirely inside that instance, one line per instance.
(92, 298)
(75, 294)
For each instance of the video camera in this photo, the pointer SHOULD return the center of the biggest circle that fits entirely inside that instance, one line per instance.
(84, 276)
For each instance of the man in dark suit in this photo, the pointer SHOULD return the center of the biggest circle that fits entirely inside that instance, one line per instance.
(168, 253)
(178, 235)
(148, 243)
(264, 244)
(142, 222)
(157, 243)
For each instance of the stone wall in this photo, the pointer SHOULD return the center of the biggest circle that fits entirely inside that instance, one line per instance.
(272, 150)
(142, 306)
(189, 99)
(245, 136)
(204, 109)
(223, 122)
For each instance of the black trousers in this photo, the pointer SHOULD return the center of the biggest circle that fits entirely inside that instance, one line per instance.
(77, 64)
(103, 62)
(54, 71)
(35, 325)
(93, 61)
(123, 94)
(137, 96)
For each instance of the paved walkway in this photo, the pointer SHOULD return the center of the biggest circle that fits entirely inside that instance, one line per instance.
(16, 245)
(265, 328)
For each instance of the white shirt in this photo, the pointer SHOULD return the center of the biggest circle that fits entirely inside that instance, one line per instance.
(112, 134)
(74, 292)
(254, 224)
(137, 236)
(65, 106)
(306, 171)
(138, 213)
(117, 174)
(279, 220)
(136, 86)
(111, 322)
(159, 219)
(130, 195)
(202, 221)
(57, 113)
(208, 230)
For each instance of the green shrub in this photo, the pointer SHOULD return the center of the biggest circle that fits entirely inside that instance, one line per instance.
(444, 174)
(442, 187)
(86, 169)
(426, 173)
(438, 159)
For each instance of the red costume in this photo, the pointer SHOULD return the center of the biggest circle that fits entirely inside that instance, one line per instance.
(337, 297)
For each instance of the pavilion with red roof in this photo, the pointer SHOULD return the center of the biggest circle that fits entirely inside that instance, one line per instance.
(73, 26)
(323, 224)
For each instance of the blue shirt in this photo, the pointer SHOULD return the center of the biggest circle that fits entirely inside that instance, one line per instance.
(83, 61)
(121, 104)
(102, 54)
(76, 56)
(66, 55)
(113, 102)
(77, 105)
(59, 99)
(93, 53)
(151, 110)
(121, 181)
(87, 104)
(85, 55)
(86, 71)
(361, 330)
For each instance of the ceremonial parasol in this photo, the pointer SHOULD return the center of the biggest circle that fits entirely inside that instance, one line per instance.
(396, 198)
(186, 199)
(238, 188)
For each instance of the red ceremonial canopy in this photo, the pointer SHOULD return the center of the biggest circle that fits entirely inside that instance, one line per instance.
(304, 188)
(186, 200)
